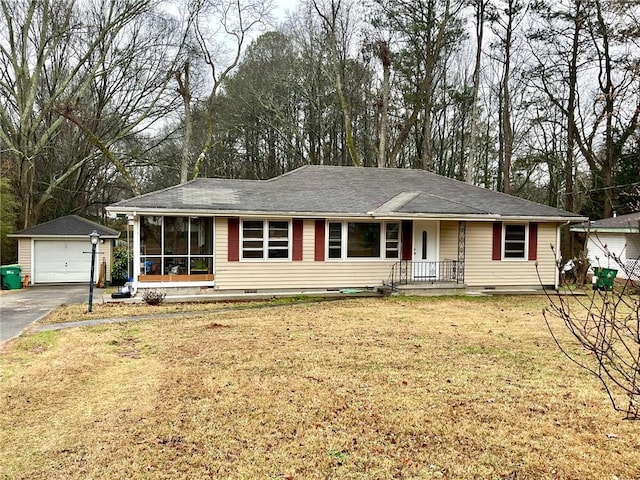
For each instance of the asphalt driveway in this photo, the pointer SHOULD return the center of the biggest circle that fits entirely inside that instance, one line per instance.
(20, 308)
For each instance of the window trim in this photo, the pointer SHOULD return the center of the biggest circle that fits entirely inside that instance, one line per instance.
(503, 245)
(265, 240)
(385, 241)
(344, 241)
(160, 259)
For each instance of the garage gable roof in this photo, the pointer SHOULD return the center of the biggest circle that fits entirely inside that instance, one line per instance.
(69, 226)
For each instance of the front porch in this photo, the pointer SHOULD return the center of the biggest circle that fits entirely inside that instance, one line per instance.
(425, 278)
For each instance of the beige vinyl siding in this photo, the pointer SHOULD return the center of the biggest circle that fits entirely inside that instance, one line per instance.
(481, 271)
(107, 251)
(24, 256)
(448, 240)
(305, 274)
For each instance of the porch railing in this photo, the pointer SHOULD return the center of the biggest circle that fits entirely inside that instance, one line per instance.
(408, 272)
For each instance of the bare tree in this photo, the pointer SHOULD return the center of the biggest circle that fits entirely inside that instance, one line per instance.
(335, 21)
(480, 16)
(426, 32)
(381, 50)
(506, 20)
(605, 324)
(587, 66)
(100, 65)
(221, 30)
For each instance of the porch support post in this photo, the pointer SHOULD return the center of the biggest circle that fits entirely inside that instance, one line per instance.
(462, 244)
(135, 270)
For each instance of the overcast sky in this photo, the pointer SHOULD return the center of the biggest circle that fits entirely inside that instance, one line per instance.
(282, 6)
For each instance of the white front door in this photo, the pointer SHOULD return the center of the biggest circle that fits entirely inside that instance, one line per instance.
(425, 250)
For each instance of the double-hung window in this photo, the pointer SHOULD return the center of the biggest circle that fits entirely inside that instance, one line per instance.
(265, 239)
(515, 241)
(335, 239)
(347, 240)
(392, 240)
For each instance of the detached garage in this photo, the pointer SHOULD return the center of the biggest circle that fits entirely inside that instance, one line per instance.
(59, 251)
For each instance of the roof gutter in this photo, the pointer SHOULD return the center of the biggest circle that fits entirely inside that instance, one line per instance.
(53, 235)
(369, 215)
(605, 229)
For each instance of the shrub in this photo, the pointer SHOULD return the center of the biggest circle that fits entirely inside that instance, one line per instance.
(151, 297)
(119, 267)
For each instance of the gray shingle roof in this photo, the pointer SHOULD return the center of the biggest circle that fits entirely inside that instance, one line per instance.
(69, 226)
(622, 223)
(331, 190)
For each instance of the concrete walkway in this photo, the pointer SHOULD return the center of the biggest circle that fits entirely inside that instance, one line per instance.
(21, 308)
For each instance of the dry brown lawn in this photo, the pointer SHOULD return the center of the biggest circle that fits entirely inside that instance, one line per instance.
(454, 388)
(78, 312)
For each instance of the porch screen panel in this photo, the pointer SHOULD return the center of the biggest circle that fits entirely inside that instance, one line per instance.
(175, 236)
(200, 245)
(151, 235)
(173, 245)
(151, 245)
(201, 238)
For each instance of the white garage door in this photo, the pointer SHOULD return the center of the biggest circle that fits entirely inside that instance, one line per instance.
(62, 261)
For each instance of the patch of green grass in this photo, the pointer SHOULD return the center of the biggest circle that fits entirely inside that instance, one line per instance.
(39, 342)
(131, 343)
(483, 350)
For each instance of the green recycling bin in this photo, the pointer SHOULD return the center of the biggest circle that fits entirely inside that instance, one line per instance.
(603, 278)
(10, 277)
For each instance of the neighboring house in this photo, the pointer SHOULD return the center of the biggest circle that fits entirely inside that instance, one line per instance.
(614, 243)
(329, 227)
(59, 251)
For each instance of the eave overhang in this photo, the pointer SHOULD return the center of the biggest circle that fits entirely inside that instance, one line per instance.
(581, 229)
(341, 215)
(58, 236)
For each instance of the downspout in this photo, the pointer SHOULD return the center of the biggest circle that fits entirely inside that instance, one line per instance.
(558, 257)
(135, 270)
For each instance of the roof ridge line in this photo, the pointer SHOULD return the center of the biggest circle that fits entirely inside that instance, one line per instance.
(461, 203)
(397, 201)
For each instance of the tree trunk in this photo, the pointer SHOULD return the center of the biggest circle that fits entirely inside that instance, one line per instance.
(385, 56)
(473, 147)
(184, 89)
(507, 130)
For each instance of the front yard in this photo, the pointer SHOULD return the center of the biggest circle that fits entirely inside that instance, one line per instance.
(453, 388)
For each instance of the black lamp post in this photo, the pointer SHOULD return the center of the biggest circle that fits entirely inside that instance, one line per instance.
(94, 237)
